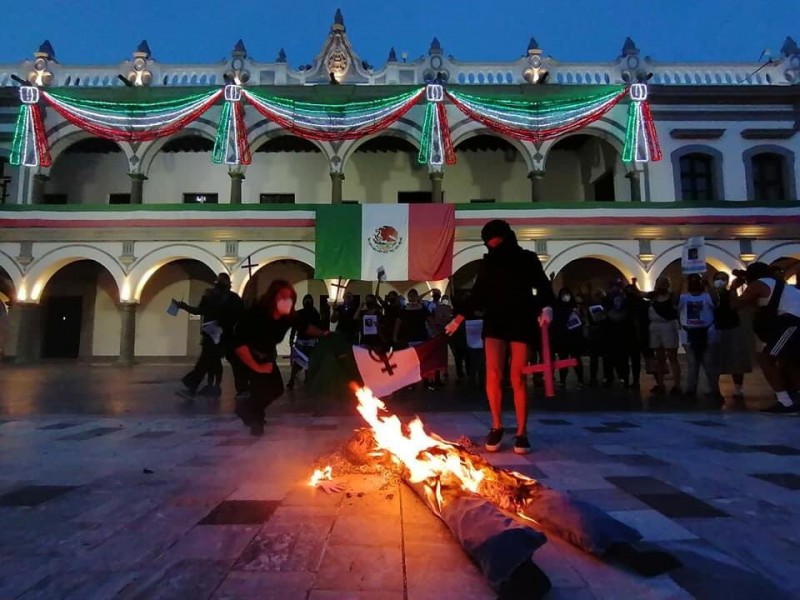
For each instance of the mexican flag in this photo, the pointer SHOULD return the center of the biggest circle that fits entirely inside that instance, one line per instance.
(335, 364)
(410, 242)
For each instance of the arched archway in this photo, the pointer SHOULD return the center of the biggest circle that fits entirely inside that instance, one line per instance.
(587, 276)
(7, 295)
(788, 249)
(79, 315)
(288, 169)
(12, 271)
(144, 268)
(88, 170)
(627, 264)
(384, 169)
(489, 168)
(180, 170)
(674, 272)
(585, 167)
(269, 254)
(789, 268)
(44, 267)
(157, 332)
(717, 258)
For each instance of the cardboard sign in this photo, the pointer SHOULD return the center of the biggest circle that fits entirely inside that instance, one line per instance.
(369, 325)
(172, 309)
(381, 274)
(693, 259)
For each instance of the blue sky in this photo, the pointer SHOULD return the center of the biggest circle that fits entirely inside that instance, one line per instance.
(107, 31)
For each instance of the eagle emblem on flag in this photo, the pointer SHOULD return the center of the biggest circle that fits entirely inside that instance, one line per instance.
(385, 239)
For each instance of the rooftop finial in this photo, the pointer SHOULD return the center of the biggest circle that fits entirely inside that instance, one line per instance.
(281, 56)
(239, 51)
(629, 48)
(338, 20)
(790, 47)
(143, 49)
(46, 51)
(533, 45)
(392, 55)
(436, 46)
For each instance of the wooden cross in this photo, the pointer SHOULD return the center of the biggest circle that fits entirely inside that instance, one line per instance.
(249, 266)
(549, 366)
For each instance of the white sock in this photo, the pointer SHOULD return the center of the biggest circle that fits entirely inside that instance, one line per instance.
(784, 398)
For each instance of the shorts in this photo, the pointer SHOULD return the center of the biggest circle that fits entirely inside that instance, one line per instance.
(784, 338)
(664, 334)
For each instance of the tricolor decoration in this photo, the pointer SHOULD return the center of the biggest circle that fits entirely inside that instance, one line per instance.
(436, 148)
(333, 121)
(532, 117)
(132, 121)
(30, 148)
(641, 139)
(537, 119)
(231, 145)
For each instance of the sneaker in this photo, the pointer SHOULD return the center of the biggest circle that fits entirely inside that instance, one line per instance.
(521, 444)
(781, 409)
(493, 439)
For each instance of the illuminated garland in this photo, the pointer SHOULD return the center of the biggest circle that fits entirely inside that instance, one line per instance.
(333, 122)
(436, 148)
(641, 139)
(30, 148)
(132, 122)
(536, 120)
(530, 119)
(231, 145)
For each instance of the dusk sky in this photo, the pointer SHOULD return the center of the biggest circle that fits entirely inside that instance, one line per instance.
(182, 31)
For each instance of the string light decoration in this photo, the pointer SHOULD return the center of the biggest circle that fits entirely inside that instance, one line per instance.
(641, 138)
(30, 147)
(436, 148)
(534, 118)
(132, 121)
(537, 119)
(231, 145)
(333, 121)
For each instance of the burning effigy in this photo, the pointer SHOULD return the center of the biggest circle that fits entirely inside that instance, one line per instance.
(499, 517)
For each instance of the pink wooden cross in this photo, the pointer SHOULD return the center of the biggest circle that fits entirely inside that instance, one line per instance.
(549, 366)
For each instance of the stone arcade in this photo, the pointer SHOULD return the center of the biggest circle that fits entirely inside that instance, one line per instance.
(93, 246)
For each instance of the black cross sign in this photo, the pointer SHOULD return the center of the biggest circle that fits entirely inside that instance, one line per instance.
(249, 266)
(384, 358)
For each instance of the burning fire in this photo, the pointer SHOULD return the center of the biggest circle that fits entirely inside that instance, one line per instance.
(428, 459)
(325, 474)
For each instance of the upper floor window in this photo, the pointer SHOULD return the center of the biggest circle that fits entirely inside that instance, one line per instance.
(276, 198)
(697, 177)
(768, 177)
(200, 198)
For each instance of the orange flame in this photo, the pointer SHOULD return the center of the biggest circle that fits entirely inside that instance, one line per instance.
(325, 474)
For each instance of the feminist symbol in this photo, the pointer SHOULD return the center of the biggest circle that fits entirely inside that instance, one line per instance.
(384, 358)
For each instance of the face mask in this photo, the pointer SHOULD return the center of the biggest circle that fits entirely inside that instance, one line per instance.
(285, 306)
(445, 302)
(719, 284)
(566, 297)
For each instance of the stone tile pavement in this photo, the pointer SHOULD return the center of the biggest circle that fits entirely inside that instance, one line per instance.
(193, 507)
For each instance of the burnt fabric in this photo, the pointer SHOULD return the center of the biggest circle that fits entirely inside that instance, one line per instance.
(580, 523)
(496, 543)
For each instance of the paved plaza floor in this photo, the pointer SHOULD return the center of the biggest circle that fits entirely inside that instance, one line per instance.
(162, 500)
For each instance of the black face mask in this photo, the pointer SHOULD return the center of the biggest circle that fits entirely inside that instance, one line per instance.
(308, 305)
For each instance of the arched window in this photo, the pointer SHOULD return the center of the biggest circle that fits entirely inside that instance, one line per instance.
(768, 177)
(697, 177)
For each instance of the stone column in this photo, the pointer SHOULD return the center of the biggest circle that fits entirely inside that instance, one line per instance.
(236, 186)
(537, 181)
(127, 337)
(337, 180)
(29, 343)
(436, 178)
(37, 187)
(137, 187)
(636, 190)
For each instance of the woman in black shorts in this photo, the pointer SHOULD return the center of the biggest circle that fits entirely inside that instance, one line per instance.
(512, 313)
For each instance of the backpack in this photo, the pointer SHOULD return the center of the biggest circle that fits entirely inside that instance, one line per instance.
(766, 316)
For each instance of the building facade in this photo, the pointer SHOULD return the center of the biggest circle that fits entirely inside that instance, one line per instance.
(94, 245)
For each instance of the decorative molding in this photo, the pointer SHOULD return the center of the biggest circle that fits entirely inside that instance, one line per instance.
(769, 134)
(696, 134)
(128, 257)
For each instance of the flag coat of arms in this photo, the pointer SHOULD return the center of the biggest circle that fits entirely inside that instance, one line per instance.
(410, 242)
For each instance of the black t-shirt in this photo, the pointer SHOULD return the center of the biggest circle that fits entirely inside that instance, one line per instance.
(347, 318)
(413, 323)
(259, 331)
(724, 316)
(303, 318)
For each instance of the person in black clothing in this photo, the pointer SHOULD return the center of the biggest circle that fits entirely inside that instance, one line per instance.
(512, 314)
(637, 326)
(567, 333)
(411, 328)
(220, 309)
(734, 357)
(308, 315)
(617, 336)
(458, 341)
(344, 315)
(262, 328)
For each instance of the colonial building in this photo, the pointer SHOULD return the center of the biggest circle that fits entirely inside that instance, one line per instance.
(103, 225)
